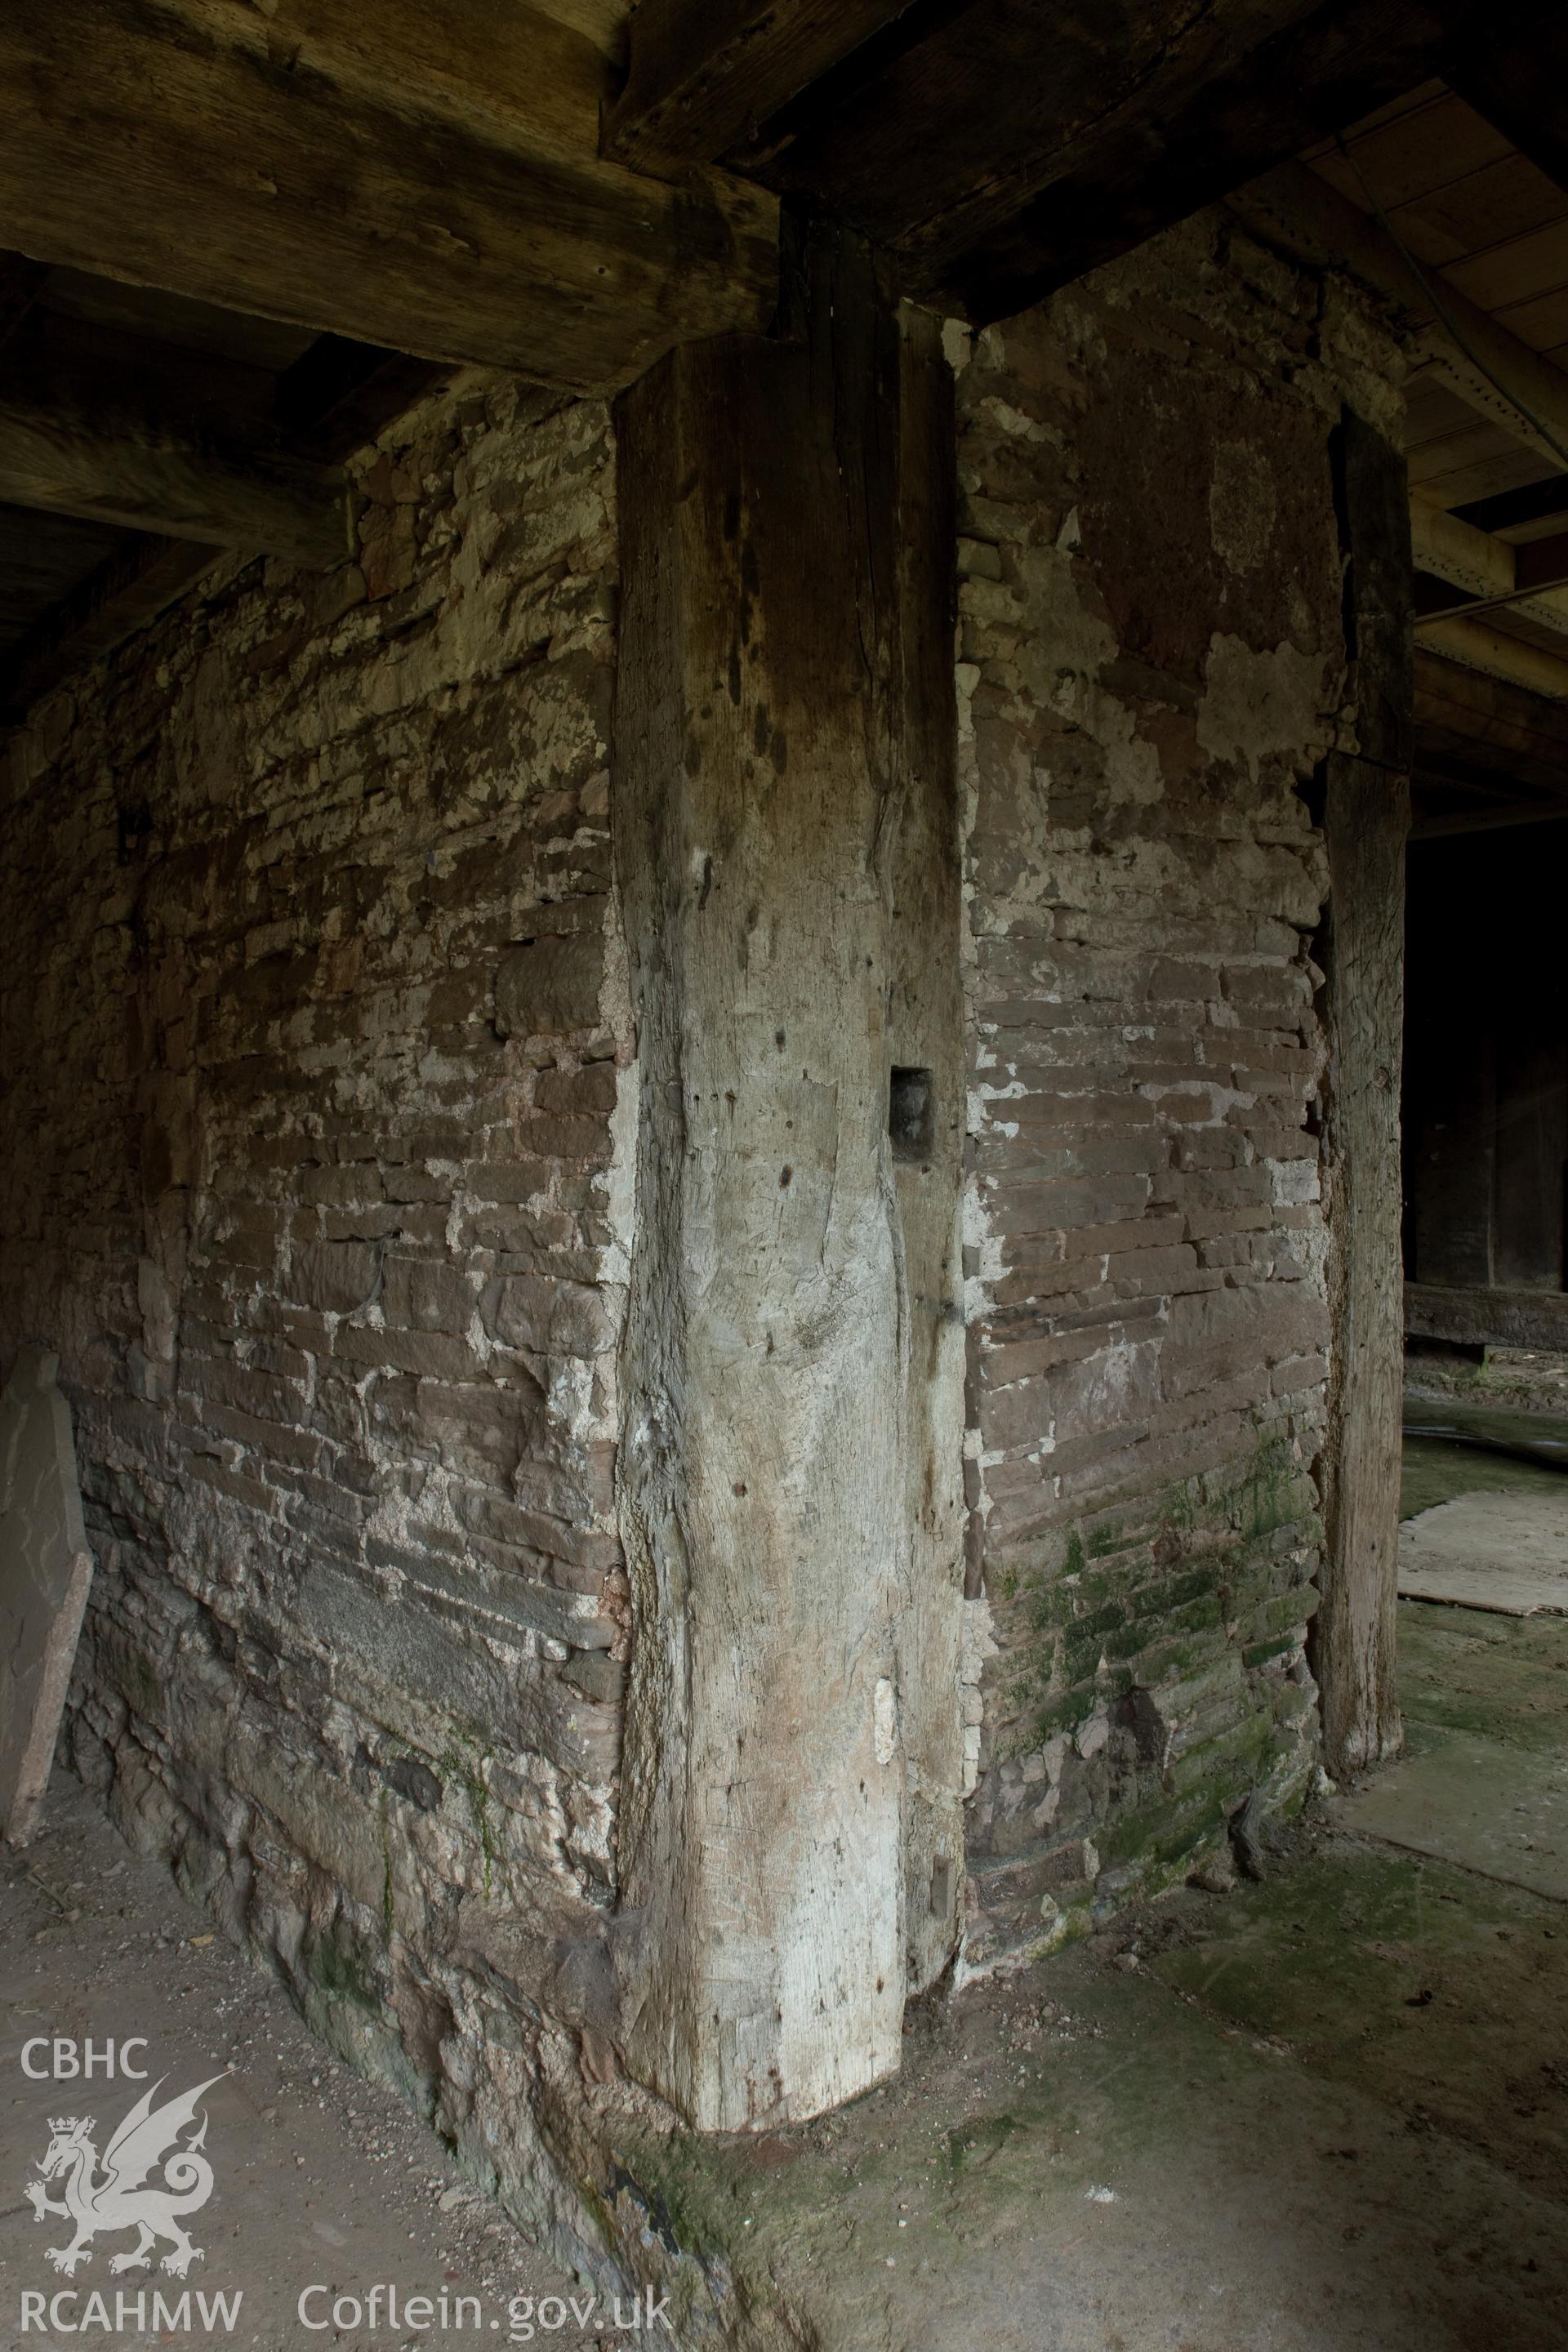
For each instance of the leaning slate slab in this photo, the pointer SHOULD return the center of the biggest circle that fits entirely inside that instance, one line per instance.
(45, 1570)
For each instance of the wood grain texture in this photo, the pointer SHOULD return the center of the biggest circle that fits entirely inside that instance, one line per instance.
(703, 73)
(117, 466)
(181, 146)
(1489, 574)
(333, 400)
(784, 805)
(1292, 208)
(925, 1029)
(1373, 504)
(1474, 644)
(1478, 1315)
(1366, 822)
(1001, 149)
(1484, 729)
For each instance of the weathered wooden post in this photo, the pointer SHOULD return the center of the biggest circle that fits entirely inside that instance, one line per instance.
(1366, 820)
(787, 841)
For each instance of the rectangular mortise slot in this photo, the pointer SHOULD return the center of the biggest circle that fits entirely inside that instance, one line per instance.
(912, 1113)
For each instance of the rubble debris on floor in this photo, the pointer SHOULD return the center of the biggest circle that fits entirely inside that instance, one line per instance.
(1514, 1379)
(1324, 2107)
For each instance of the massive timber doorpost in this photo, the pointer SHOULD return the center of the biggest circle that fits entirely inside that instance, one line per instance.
(786, 843)
(1366, 820)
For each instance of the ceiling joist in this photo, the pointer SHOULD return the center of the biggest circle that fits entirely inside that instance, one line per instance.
(702, 79)
(270, 172)
(1493, 372)
(1532, 580)
(120, 595)
(999, 152)
(69, 456)
(1496, 655)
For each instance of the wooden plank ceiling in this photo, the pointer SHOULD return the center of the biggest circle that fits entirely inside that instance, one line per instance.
(203, 421)
(1489, 227)
(199, 322)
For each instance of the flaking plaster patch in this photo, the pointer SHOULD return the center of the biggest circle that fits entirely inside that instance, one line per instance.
(1260, 706)
(1061, 662)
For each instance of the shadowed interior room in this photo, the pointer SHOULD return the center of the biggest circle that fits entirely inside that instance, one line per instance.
(783, 1299)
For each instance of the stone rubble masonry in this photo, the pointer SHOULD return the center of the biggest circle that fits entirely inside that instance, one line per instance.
(321, 1101)
(1152, 668)
(322, 1106)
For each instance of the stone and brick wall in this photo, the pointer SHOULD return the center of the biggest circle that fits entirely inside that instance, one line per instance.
(317, 1059)
(1152, 666)
(319, 1039)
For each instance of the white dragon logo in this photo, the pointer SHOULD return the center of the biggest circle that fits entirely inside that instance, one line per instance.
(118, 2201)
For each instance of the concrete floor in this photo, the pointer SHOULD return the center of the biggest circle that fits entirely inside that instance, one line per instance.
(1328, 2113)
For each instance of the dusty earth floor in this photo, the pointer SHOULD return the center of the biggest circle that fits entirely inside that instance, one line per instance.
(1324, 2113)
(320, 2178)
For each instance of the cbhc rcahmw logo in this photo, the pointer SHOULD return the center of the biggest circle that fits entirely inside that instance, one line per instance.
(151, 2174)
(62, 2060)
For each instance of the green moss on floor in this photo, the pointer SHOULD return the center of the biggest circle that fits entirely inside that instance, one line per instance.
(1435, 1473)
(1310, 2116)
(1330, 2109)
(1439, 1991)
(1505, 1677)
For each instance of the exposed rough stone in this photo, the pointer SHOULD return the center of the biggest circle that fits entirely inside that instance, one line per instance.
(337, 1276)
(551, 984)
(1152, 665)
(331, 1102)
(356, 1644)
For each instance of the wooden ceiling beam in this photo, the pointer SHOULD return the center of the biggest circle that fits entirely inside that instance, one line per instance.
(1490, 572)
(118, 597)
(270, 171)
(68, 453)
(703, 74)
(1000, 150)
(1435, 825)
(339, 394)
(1484, 728)
(1510, 659)
(1540, 563)
(1520, 87)
(333, 400)
(1535, 511)
(1493, 372)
